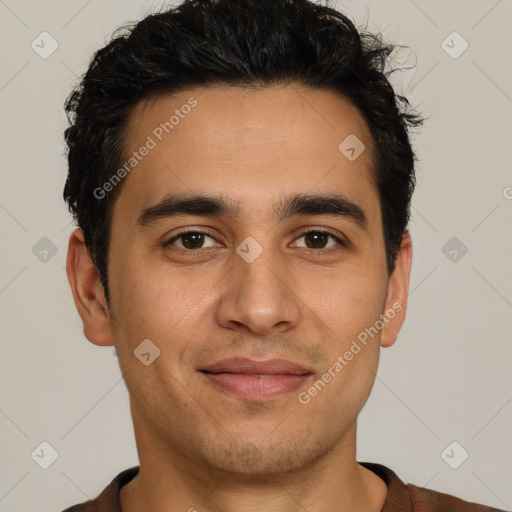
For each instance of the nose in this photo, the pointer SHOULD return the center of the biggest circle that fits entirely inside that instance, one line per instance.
(259, 297)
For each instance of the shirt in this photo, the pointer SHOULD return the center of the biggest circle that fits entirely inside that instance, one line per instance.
(401, 497)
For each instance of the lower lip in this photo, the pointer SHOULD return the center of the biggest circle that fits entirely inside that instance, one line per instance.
(256, 387)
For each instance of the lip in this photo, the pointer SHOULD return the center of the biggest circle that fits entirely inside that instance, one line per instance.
(250, 379)
(247, 366)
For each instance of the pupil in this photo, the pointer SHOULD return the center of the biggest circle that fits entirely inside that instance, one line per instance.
(316, 235)
(196, 237)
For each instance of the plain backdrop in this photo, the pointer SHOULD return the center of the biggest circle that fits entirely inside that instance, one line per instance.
(447, 379)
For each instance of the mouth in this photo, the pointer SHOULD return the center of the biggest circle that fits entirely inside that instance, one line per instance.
(249, 379)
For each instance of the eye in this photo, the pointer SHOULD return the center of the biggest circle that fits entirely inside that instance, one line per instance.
(190, 240)
(317, 239)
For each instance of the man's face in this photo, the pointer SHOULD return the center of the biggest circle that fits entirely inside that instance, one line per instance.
(217, 294)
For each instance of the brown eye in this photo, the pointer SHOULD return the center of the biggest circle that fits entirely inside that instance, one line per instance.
(191, 240)
(316, 239)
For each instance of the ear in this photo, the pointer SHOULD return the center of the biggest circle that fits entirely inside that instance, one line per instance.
(88, 292)
(398, 289)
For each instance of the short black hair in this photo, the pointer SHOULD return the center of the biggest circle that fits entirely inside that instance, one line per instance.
(247, 43)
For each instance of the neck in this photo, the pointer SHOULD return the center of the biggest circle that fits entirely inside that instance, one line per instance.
(170, 481)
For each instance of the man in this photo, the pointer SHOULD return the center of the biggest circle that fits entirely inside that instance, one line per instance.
(241, 175)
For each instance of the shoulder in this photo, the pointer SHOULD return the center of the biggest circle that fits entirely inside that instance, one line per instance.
(88, 506)
(404, 497)
(427, 500)
(108, 500)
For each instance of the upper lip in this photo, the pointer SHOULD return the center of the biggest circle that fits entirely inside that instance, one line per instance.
(248, 366)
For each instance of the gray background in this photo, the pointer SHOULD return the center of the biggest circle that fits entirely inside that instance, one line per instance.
(449, 376)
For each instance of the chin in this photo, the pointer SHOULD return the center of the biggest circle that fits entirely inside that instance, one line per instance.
(253, 458)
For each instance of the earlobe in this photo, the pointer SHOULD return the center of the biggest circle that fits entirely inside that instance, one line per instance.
(398, 290)
(88, 292)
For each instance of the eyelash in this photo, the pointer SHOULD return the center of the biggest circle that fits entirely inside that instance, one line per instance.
(324, 251)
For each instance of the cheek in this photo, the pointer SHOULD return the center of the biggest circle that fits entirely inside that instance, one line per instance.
(169, 306)
(348, 304)
(148, 301)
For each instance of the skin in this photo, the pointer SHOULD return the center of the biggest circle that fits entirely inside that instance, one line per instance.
(199, 447)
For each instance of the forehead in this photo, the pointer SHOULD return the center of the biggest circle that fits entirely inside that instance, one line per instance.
(252, 145)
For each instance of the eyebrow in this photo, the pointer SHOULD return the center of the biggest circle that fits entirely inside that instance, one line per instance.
(220, 206)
